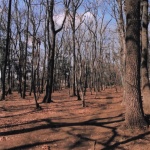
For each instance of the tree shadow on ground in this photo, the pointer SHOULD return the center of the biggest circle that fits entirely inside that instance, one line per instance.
(118, 144)
(20, 114)
(98, 122)
(26, 146)
(53, 125)
(108, 97)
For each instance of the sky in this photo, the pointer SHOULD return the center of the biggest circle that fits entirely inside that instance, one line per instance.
(81, 11)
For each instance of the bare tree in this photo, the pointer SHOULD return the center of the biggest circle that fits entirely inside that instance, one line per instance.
(144, 56)
(118, 13)
(121, 28)
(75, 4)
(36, 20)
(134, 116)
(81, 71)
(51, 29)
(7, 51)
(28, 3)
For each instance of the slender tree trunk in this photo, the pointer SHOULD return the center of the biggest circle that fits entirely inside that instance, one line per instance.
(43, 73)
(9, 73)
(74, 58)
(25, 57)
(121, 28)
(20, 77)
(32, 71)
(74, 6)
(86, 79)
(134, 116)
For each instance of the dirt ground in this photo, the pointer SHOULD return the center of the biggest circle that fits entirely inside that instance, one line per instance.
(65, 125)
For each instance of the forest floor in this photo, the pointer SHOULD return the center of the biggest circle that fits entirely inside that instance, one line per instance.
(65, 125)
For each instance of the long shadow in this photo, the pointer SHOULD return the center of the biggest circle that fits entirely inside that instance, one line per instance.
(17, 107)
(140, 136)
(31, 145)
(20, 124)
(81, 141)
(108, 97)
(21, 114)
(107, 146)
(81, 116)
(99, 122)
(53, 125)
(84, 139)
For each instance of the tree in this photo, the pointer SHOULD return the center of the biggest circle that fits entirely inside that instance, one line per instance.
(51, 33)
(121, 28)
(144, 56)
(35, 19)
(134, 116)
(81, 69)
(19, 41)
(6, 52)
(26, 48)
(118, 13)
(35, 80)
(75, 4)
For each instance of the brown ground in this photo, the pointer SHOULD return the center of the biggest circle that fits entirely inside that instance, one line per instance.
(65, 125)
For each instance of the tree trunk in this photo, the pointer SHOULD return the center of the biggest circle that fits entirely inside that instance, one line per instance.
(74, 57)
(6, 52)
(35, 91)
(144, 57)
(134, 116)
(51, 47)
(25, 57)
(49, 85)
(123, 45)
(32, 72)
(43, 73)
(9, 91)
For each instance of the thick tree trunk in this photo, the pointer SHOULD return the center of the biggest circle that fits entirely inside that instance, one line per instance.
(144, 58)
(47, 97)
(6, 52)
(51, 47)
(49, 85)
(134, 116)
(144, 39)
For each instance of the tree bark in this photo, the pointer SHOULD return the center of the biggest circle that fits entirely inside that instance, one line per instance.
(121, 27)
(25, 57)
(134, 116)
(51, 46)
(144, 57)
(7, 51)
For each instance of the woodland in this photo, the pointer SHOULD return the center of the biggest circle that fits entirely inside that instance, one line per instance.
(74, 75)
